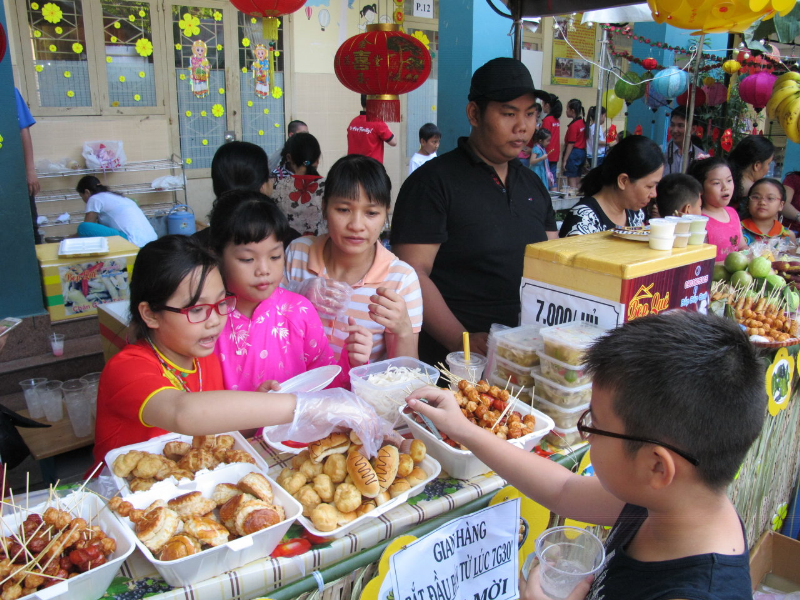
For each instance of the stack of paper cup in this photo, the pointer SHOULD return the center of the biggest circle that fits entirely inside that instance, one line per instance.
(662, 234)
(697, 229)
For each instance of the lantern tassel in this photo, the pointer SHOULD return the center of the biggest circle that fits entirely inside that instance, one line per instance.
(269, 26)
(383, 107)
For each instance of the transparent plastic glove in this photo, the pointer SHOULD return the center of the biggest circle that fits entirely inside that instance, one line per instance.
(318, 414)
(329, 297)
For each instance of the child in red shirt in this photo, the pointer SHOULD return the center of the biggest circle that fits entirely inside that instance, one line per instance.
(552, 107)
(574, 144)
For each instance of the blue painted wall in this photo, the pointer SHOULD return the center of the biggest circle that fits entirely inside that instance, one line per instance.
(470, 34)
(21, 292)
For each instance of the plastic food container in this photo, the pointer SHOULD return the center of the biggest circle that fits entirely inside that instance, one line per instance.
(661, 243)
(681, 224)
(681, 240)
(519, 376)
(430, 465)
(463, 464)
(94, 583)
(563, 438)
(662, 228)
(569, 341)
(386, 398)
(697, 223)
(562, 373)
(519, 345)
(564, 418)
(524, 394)
(215, 561)
(156, 446)
(696, 238)
(558, 394)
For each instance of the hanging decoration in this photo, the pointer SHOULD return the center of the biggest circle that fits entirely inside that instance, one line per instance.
(649, 63)
(612, 103)
(716, 16)
(670, 82)
(756, 89)
(629, 87)
(611, 136)
(262, 71)
(699, 97)
(382, 63)
(716, 93)
(199, 69)
(638, 130)
(309, 11)
(731, 66)
(652, 98)
(324, 18)
(727, 140)
(269, 11)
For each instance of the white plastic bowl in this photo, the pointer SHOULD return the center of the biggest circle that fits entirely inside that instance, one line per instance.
(463, 464)
(94, 583)
(215, 561)
(156, 446)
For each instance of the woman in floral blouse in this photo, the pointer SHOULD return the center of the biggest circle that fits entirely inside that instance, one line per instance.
(300, 195)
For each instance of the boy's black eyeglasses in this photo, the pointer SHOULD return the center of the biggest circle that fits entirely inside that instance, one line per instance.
(201, 312)
(585, 429)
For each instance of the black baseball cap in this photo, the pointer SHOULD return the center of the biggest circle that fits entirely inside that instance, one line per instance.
(501, 79)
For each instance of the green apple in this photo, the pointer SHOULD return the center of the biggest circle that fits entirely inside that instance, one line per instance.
(720, 273)
(760, 266)
(735, 261)
(775, 282)
(792, 298)
(741, 279)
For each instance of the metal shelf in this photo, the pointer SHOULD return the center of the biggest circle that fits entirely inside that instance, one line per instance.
(76, 217)
(122, 190)
(132, 167)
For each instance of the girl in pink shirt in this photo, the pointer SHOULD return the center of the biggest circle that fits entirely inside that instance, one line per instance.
(724, 227)
(273, 334)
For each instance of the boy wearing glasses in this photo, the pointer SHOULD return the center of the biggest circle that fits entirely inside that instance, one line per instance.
(677, 400)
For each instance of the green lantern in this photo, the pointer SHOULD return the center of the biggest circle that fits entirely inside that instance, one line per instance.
(629, 87)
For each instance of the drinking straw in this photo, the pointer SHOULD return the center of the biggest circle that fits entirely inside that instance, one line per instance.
(465, 337)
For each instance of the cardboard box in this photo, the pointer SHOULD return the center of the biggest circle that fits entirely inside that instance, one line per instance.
(774, 562)
(76, 286)
(114, 320)
(607, 281)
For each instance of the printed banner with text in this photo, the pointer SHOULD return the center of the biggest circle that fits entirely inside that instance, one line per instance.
(573, 43)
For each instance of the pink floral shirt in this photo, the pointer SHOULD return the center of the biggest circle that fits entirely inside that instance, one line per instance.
(283, 339)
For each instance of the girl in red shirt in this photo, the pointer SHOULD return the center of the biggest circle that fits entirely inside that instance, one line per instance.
(574, 144)
(552, 106)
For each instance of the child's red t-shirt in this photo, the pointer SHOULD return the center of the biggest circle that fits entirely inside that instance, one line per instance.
(128, 381)
(576, 134)
(554, 146)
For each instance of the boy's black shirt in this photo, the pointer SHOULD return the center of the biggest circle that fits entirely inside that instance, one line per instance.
(700, 577)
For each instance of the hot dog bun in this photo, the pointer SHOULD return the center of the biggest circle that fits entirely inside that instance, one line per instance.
(386, 464)
(335, 443)
(363, 475)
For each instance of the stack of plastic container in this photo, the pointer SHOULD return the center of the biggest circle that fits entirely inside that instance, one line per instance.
(563, 388)
(512, 353)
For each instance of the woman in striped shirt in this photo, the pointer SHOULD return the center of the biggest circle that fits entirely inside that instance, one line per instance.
(387, 298)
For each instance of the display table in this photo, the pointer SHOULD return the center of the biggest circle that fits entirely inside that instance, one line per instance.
(46, 443)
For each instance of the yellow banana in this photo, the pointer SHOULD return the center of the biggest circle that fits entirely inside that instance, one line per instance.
(788, 76)
(778, 98)
(794, 134)
(789, 119)
(781, 108)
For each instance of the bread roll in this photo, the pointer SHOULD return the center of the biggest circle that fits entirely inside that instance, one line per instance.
(386, 466)
(405, 465)
(179, 546)
(363, 475)
(227, 511)
(335, 443)
(325, 517)
(257, 485)
(416, 476)
(399, 486)
(204, 441)
(382, 498)
(418, 451)
(175, 451)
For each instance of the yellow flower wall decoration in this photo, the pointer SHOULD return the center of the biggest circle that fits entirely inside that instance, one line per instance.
(249, 103)
(131, 18)
(67, 74)
(244, 69)
(117, 25)
(35, 5)
(422, 38)
(190, 25)
(205, 142)
(52, 13)
(217, 15)
(113, 39)
(177, 46)
(780, 376)
(77, 48)
(144, 47)
(142, 74)
(260, 132)
(203, 113)
(221, 91)
(59, 31)
(39, 68)
(277, 92)
(246, 42)
(52, 48)
(37, 34)
(115, 103)
(188, 161)
(1, 141)
(142, 13)
(188, 113)
(137, 97)
(217, 110)
(219, 47)
(266, 111)
(70, 94)
(109, 59)
(122, 78)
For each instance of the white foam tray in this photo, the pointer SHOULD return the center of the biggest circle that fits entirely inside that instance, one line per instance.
(156, 446)
(91, 246)
(462, 464)
(215, 561)
(94, 583)
(428, 464)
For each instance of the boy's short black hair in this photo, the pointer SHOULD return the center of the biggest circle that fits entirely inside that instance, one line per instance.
(679, 112)
(691, 380)
(294, 126)
(428, 131)
(675, 191)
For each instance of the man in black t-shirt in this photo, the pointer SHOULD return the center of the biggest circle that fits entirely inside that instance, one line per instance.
(462, 220)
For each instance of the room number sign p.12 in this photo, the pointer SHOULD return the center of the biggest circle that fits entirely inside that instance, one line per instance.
(474, 557)
(423, 8)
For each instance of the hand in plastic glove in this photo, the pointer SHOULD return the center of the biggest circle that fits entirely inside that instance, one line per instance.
(329, 297)
(531, 588)
(318, 414)
(441, 408)
(358, 344)
(270, 385)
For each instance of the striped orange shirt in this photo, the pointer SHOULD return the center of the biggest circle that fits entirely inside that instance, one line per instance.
(304, 260)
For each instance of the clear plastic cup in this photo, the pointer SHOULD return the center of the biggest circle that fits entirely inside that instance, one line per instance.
(35, 408)
(681, 224)
(662, 228)
(92, 381)
(77, 407)
(697, 224)
(52, 400)
(567, 556)
(57, 343)
(471, 371)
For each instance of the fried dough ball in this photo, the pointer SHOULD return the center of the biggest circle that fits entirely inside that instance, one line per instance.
(311, 469)
(294, 483)
(139, 484)
(405, 465)
(399, 486)
(366, 507)
(309, 498)
(418, 451)
(225, 441)
(325, 517)
(323, 485)
(416, 476)
(347, 498)
(239, 456)
(335, 467)
(204, 441)
(125, 463)
(299, 459)
(167, 468)
(176, 450)
(148, 466)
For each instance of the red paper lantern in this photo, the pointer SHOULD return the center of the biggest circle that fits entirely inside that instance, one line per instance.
(269, 11)
(649, 64)
(727, 140)
(638, 130)
(382, 63)
(756, 89)
(699, 97)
